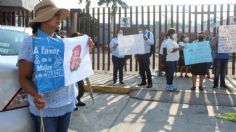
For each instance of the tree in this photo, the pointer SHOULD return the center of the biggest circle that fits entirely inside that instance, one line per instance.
(114, 7)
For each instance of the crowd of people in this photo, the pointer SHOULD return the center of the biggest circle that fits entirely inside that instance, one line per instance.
(56, 106)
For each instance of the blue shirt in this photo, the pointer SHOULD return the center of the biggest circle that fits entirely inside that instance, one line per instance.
(149, 41)
(58, 102)
(114, 49)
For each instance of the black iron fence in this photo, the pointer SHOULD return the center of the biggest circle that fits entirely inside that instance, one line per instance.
(100, 23)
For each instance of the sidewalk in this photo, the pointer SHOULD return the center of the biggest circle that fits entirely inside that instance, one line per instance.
(138, 109)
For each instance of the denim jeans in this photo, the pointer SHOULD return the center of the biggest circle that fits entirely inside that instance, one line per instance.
(220, 71)
(171, 68)
(53, 124)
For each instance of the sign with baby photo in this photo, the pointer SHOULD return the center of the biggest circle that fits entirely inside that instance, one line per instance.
(60, 63)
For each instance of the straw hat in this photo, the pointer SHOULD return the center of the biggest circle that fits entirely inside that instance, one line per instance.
(46, 10)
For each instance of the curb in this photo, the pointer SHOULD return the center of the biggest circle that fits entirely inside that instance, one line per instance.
(110, 89)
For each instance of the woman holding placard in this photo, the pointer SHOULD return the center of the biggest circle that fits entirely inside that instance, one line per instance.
(50, 111)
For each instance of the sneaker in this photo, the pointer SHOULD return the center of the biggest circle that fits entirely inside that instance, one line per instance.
(193, 88)
(149, 85)
(173, 87)
(170, 87)
(215, 86)
(186, 76)
(224, 86)
(80, 104)
(122, 82)
(142, 84)
(201, 88)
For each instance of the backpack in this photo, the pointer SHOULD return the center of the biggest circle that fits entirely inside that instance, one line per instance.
(152, 48)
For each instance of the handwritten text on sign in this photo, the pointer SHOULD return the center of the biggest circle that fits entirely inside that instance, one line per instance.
(131, 44)
(227, 39)
(197, 52)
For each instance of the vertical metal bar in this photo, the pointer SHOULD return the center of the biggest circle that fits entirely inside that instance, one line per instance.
(221, 14)
(183, 20)
(103, 39)
(136, 61)
(109, 38)
(79, 22)
(84, 21)
(98, 45)
(23, 16)
(93, 35)
(160, 33)
(154, 33)
(148, 17)
(202, 18)
(195, 23)
(125, 33)
(89, 23)
(189, 20)
(166, 18)
(119, 16)
(142, 15)
(1, 16)
(114, 25)
(228, 11)
(177, 19)
(233, 59)
(131, 23)
(208, 17)
(215, 10)
(171, 17)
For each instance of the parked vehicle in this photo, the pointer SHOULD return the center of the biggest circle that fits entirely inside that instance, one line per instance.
(14, 112)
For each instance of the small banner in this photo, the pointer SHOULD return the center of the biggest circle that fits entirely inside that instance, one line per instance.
(131, 44)
(197, 52)
(227, 39)
(60, 63)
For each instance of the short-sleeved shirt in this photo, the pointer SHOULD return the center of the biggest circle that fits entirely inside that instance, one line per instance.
(170, 46)
(58, 102)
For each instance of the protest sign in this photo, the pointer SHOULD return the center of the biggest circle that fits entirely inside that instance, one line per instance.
(58, 64)
(197, 52)
(131, 44)
(227, 39)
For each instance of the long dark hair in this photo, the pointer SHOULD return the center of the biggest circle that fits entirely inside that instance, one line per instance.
(35, 26)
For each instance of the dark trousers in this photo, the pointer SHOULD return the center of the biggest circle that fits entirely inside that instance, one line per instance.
(220, 71)
(171, 68)
(52, 124)
(144, 69)
(80, 89)
(118, 65)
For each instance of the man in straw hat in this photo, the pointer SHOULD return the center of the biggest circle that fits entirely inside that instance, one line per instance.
(56, 105)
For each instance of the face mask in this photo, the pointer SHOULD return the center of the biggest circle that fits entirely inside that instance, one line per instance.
(186, 40)
(174, 36)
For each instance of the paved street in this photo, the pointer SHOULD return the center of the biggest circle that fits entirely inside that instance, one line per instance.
(154, 110)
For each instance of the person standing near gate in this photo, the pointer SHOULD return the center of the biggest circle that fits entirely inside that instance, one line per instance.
(117, 60)
(58, 104)
(143, 59)
(172, 57)
(220, 63)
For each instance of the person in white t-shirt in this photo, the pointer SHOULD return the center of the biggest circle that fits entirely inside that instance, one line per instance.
(171, 58)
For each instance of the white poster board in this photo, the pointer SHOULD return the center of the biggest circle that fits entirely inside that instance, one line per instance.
(227, 39)
(131, 44)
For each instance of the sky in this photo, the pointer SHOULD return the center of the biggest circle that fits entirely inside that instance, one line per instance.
(75, 3)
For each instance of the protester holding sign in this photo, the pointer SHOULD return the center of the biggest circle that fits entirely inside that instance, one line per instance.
(56, 105)
(171, 58)
(220, 63)
(117, 59)
(199, 68)
(143, 59)
(80, 84)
